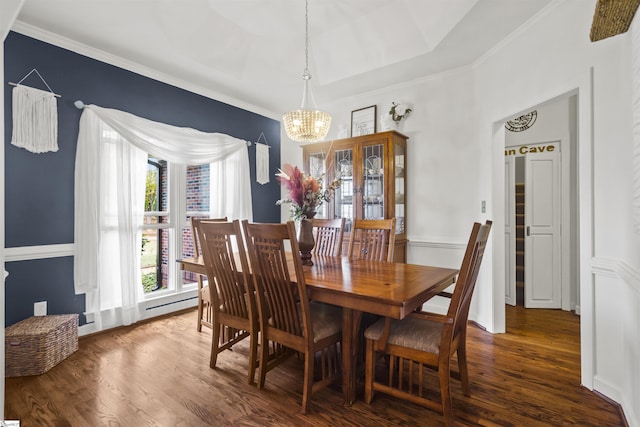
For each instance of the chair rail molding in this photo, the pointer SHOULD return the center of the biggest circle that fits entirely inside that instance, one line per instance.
(435, 243)
(25, 253)
(618, 269)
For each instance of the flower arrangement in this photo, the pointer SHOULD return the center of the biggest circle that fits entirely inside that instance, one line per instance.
(306, 194)
(398, 112)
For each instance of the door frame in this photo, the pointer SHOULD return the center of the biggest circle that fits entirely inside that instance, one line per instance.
(582, 86)
(510, 246)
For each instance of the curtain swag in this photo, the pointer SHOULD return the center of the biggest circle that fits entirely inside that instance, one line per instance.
(174, 144)
(110, 175)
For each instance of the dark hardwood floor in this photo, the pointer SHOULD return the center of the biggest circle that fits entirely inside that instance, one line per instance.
(157, 374)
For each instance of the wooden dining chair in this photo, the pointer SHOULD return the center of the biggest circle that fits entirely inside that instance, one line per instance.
(204, 303)
(289, 322)
(373, 239)
(328, 234)
(427, 340)
(233, 311)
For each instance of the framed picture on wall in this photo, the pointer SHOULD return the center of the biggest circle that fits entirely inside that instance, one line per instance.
(363, 121)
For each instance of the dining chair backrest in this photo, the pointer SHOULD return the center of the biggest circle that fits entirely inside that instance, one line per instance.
(274, 272)
(229, 277)
(204, 302)
(230, 290)
(458, 311)
(328, 234)
(286, 311)
(195, 225)
(374, 238)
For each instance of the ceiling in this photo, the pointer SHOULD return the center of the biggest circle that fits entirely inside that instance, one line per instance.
(254, 51)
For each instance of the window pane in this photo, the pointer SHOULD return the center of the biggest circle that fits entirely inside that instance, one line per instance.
(197, 206)
(188, 250)
(198, 188)
(154, 260)
(156, 194)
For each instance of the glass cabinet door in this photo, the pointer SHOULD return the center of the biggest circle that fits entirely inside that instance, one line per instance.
(345, 195)
(399, 190)
(373, 181)
(318, 169)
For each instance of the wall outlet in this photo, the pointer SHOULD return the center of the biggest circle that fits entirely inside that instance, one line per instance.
(40, 308)
(484, 206)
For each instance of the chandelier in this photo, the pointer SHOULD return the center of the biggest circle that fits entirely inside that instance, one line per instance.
(306, 124)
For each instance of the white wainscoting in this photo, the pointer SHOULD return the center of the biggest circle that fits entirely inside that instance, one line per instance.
(617, 313)
(149, 308)
(442, 253)
(435, 251)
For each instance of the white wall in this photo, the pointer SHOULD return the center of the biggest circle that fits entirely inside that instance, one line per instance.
(439, 131)
(456, 158)
(551, 57)
(552, 123)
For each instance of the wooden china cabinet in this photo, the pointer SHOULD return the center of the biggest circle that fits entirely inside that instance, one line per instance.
(373, 172)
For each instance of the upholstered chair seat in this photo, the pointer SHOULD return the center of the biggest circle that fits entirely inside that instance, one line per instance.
(326, 320)
(417, 334)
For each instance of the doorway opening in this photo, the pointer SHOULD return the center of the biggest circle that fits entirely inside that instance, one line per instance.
(580, 235)
(541, 225)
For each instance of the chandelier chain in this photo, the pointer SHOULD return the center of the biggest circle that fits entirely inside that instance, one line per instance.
(306, 75)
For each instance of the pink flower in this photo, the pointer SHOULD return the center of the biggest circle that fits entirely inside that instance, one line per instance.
(305, 192)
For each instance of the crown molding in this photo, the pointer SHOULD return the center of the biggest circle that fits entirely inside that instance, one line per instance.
(100, 55)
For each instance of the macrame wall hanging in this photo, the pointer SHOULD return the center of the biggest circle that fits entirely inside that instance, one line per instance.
(35, 117)
(262, 160)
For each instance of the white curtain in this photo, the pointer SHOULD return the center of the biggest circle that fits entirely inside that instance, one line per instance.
(110, 178)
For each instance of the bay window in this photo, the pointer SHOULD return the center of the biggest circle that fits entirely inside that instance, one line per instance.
(137, 186)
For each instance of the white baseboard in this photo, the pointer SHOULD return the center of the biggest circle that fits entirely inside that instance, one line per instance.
(149, 309)
(613, 393)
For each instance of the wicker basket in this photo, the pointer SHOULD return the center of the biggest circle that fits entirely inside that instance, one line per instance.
(37, 344)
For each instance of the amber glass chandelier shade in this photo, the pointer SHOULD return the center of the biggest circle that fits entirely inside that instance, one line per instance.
(306, 125)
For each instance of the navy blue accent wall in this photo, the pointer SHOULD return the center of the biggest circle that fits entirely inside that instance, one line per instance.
(40, 187)
(48, 280)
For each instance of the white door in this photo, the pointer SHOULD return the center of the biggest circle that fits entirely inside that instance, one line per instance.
(510, 230)
(543, 257)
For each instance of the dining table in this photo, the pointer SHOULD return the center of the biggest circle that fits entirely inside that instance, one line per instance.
(363, 286)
